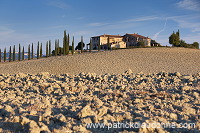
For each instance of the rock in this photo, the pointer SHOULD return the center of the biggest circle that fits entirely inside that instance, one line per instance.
(196, 94)
(86, 111)
(33, 112)
(173, 116)
(33, 127)
(61, 118)
(102, 111)
(43, 127)
(188, 110)
(185, 88)
(177, 74)
(8, 108)
(43, 73)
(47, 112)
(129, 71)
(186, 76)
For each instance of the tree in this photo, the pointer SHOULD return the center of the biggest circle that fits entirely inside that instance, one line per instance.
(55, 51)
(0, 55)
(32, 53)
(47, 49)
(78, 47)
(82, 44)
(174, 39)
(99, 46)
(41, 50)
(23, 53)
(67, 46)
(10, 55)
(73, 46)
(90, 44)
(65, 43)
(108, 43)
(38, 53)
(19, 53)
(14, 53)
(29, 52)
(195, 45)
(59, 50)
(183, 44)
(141, 44)
(5, 55)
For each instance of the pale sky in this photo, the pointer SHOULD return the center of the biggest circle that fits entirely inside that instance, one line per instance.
(29, 21)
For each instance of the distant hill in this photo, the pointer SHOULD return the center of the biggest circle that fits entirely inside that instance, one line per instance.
(146, 60)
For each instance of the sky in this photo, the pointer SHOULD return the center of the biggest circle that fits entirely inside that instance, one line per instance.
(30, 21)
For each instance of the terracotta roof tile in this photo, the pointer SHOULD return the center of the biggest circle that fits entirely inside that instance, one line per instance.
(136, 35)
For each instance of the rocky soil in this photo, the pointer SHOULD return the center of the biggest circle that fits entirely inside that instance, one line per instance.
(147, 60)
(45, 103)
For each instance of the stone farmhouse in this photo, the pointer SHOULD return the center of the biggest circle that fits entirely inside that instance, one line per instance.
(118, 41)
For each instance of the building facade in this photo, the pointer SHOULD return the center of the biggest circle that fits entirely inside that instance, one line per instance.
(134, 39)
(118, 41)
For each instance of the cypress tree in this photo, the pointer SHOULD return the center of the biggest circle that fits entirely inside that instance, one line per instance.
(56, 48)
(5, 55)
(19, 53)
(38, 53)
(81, 44)
(41, 50)
(0, 55)
(29, 52)
(47, 49)
(32, 53)
(108, 43)
(67, 45)
(10, 55)
(58, 51)
(90, 44)
(14, 53)
(73, 46)
(23, 53)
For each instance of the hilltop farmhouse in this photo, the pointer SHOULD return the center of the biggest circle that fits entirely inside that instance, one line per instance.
(118, 41)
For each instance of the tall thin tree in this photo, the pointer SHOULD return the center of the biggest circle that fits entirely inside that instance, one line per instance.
(47, 49)
(29, 52)
(0, 55)
(38, 50)
(4, 55)
(73, 46)
(67, 45)
(32, 53)
(10, 55)
(14, 53)
(19, 53)
(90, 44)
(81, 44)
(108, 43)
(56, 49)
(23, 53)
(41, 50)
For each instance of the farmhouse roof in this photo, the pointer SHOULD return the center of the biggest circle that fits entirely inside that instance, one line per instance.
(137, 35)
(105, 35)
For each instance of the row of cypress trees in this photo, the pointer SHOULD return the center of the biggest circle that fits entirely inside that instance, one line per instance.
(58, 50)
(21, 54)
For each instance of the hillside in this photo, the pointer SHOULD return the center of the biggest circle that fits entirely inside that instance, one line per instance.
(147, 60)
